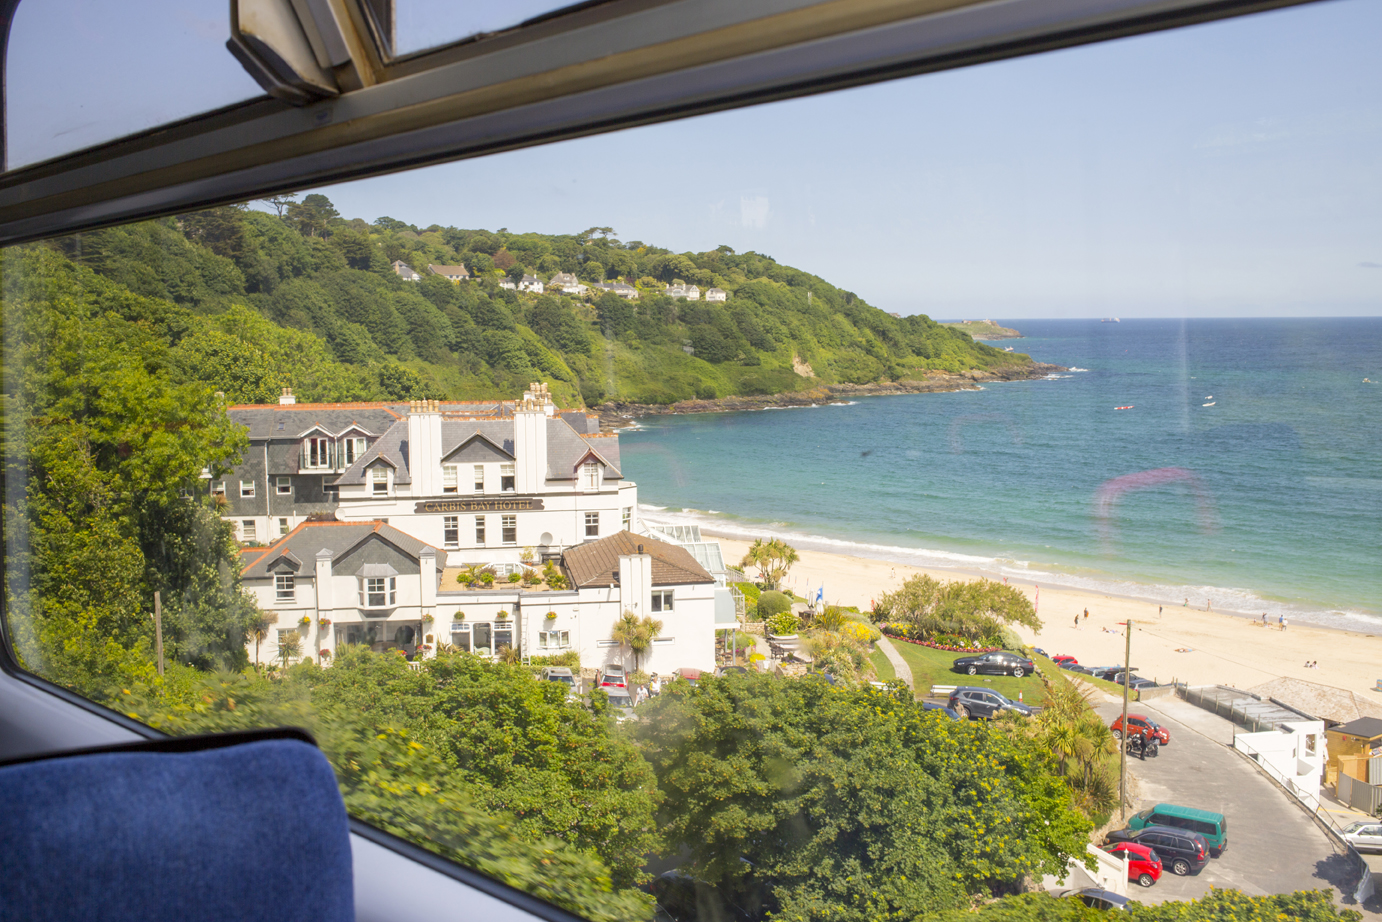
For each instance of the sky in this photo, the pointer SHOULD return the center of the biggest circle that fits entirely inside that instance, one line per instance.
(1230, 169)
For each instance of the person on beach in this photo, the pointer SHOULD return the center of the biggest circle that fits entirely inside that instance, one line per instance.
(1086, 614)
(1282, 621)
(1077, 622)
(1264, 619)
(1158, 611)
(1208, 605)
(1187, 604)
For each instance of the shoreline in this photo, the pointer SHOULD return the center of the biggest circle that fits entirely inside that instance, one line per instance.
(1222, 646)
(617, 414)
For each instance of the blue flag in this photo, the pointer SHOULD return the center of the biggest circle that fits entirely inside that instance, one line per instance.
(820, 592)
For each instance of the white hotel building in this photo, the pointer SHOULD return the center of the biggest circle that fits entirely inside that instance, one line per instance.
(383, 503)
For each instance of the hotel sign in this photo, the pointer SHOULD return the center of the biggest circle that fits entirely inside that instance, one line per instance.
(504, 504)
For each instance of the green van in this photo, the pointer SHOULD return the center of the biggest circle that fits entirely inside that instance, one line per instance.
(1212, 826)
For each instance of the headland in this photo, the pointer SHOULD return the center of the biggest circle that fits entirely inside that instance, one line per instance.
(983, 329)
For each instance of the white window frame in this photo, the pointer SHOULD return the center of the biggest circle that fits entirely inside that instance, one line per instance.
(553, 640)
(284, 526)
(316, 453)
(508, 529)
(451, 530)
(507, 478)
(352, 449)
(249, 531)
(592, 524)
(375, 481)
(626, 518)
(284, 588)
(590, 475)
(479, 486)
(378, 592)
(247, 489)
(480, 531)
(661, 600)
(283, 486)
(450, 478)
(218, 488)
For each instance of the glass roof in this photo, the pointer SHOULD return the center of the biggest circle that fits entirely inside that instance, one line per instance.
(418, 25)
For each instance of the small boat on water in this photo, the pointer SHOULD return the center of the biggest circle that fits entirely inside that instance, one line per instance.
(1110, 320)
(1008, 349)
(1210, 404)
(1129, 407)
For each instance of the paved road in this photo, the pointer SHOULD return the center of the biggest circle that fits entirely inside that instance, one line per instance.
(1273, 845)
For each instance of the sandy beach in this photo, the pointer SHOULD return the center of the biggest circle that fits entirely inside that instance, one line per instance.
(1227, 649)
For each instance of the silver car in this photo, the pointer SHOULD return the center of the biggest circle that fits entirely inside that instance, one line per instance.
(1364, 835)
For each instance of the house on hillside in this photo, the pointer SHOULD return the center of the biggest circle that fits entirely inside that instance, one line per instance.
(716, 294)
(567, 283)
(405, 271)
(450, 273)
(508, 283)
(689, 292)
(531, 283)
(621, 289)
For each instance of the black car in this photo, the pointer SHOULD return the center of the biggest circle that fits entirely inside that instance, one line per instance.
(1181, 851)
(983, 703)
(1000, 663)
(1076, 667)
(929, 706)
(1135, 682)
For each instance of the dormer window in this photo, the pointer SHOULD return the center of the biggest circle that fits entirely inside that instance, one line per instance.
(506, 478)
(316, 453)
(379, 481)
(354, 448)
(590, 475)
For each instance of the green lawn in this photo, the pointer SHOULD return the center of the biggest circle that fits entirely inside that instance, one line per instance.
(932, 667)
(882, 666)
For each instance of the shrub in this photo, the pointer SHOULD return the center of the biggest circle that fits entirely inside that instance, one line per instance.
(556, 581)
(783, 623)
(514, 577)
(773, 603)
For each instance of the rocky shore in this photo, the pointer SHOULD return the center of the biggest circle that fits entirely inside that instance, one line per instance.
(614, 414)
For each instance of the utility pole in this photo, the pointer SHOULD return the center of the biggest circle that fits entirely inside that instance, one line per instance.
(158, 628)
(1123, 747)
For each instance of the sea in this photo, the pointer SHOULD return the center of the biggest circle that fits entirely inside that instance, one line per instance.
(1236, 463)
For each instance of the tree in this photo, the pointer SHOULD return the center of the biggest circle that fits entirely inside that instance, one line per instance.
(289, 647)
(1218, 906)
(802, 799)
(974, 610)
(773, 558)
(280, 203)
(313, 215)
(636, 633)
(592, 271)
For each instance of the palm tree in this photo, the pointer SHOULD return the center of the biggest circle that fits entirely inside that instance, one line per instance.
(289, 647)
(636, 633)
(784, 556)
(260, 631)
(510, 655)
(773, 558)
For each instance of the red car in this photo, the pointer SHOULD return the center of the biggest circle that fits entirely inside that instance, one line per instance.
(1143, 726)
(1061, 659)
(1143, 864)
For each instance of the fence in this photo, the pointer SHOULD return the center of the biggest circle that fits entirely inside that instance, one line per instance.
(1359, 794)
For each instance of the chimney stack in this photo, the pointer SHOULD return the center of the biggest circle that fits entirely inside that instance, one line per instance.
(287, 398)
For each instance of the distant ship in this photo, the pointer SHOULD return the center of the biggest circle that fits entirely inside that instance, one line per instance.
(1110, 320)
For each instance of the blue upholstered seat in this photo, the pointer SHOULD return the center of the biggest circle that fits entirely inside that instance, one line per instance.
(255, 830)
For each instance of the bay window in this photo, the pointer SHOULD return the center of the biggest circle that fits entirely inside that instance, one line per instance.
(379, 592)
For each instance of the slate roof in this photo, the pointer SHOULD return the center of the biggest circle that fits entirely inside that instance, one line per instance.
(449, 270)
(567, 448)
(300, 546)
(592, 565)
(298, 418)
(1335, 705)
(392, 448)
(1366, 727)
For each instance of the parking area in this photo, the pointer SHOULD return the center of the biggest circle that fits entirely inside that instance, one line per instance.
(1273, 845)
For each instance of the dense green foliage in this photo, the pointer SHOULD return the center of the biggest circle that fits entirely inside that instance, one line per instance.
(1218, 906)
(343, 326)
(772, 603)
(477, 761)
(848, 803)
(977, 610)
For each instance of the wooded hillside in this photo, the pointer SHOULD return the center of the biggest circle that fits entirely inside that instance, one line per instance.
(309, 300)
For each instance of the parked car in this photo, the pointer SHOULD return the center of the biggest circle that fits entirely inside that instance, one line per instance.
(730, 670)
(620, 701)
(562, 676)
(613, 677)
(1141, 725)
(1095, 898)
(1076, 667)
(1000, 663)
(1106, 672)
(1184, 852)
(1144, 864)
(932, 706)
(691, 675)
(1213, 826)
(1060, 659)
(983, 703)
(1134, 681)
(1364, 835)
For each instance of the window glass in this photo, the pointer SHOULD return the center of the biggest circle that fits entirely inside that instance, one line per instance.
(53, 107)
(1195, 187)
(416, 25)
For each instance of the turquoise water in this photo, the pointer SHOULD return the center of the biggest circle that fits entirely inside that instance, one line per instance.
(1269, 500)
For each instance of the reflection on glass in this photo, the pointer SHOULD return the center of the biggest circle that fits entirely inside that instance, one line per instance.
(417, 25)
(81, 73)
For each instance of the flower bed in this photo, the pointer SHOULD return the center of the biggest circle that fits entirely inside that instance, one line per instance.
(892, 634)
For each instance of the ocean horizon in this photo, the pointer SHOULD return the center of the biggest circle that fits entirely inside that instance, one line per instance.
(1231, 462)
